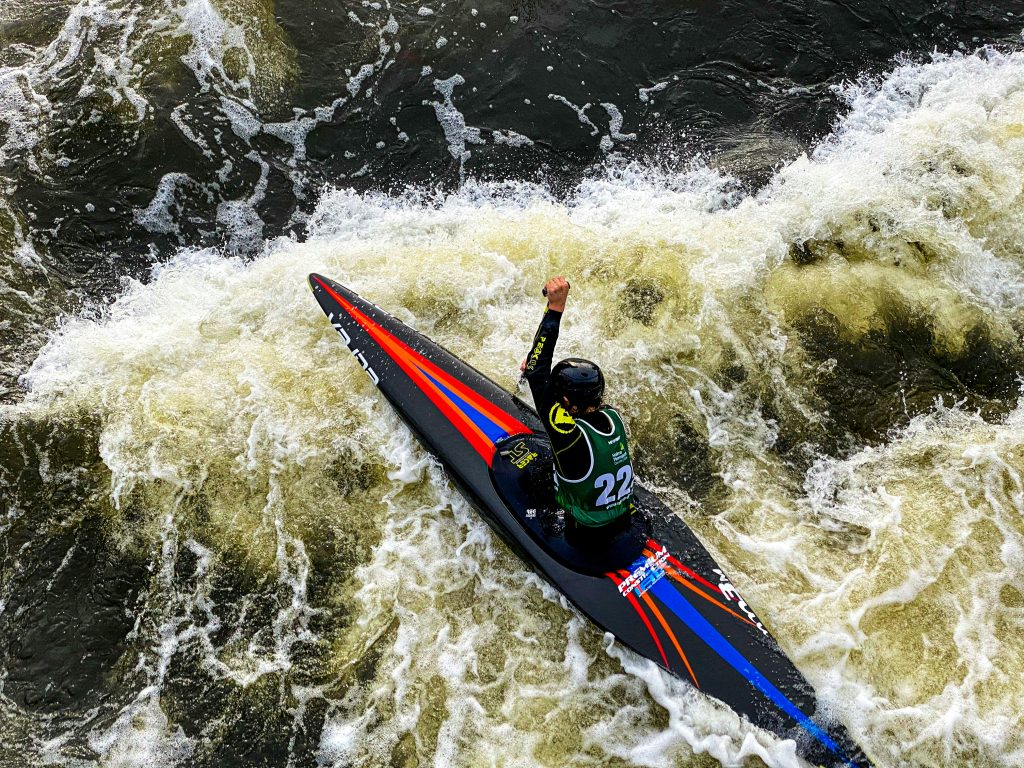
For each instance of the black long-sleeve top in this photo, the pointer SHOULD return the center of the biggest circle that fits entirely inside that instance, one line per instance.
(572, 455)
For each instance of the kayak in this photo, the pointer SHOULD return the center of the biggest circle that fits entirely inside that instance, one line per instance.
(653, 585)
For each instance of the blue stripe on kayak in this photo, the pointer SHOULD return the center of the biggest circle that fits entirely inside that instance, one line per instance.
(703, 629)
(493, 431)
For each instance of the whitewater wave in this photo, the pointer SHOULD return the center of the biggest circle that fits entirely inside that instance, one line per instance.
(823, 376)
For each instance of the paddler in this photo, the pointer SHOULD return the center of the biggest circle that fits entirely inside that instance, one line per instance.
(593, 470)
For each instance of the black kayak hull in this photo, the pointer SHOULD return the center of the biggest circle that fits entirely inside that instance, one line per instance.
(653, 586)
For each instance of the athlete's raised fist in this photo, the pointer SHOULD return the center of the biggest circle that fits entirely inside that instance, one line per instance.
(557, 289)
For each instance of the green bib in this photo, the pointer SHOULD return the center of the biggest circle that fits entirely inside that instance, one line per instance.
(605, 493)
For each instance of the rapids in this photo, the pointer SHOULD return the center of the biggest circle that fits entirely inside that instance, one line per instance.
(221, 547)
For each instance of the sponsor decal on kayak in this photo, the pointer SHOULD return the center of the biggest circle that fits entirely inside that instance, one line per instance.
(355, 352)
(729, 591)
(645, 572)
(647, 590)
(520, 455)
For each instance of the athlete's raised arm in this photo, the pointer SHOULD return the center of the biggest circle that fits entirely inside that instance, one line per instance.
(537, 366)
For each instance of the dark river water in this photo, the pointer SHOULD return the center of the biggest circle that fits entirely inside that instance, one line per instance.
(794, 231)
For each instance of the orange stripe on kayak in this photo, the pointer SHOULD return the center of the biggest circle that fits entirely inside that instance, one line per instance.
(636, 606)
(496, 414)
(672, 559)
(483, 445)
(686, 583)
(671, 635)
(499, 416)
(414, 364)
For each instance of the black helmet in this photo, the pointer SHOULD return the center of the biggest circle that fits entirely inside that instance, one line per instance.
(579, 380)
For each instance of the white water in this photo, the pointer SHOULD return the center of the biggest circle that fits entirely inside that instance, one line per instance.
(232, 422)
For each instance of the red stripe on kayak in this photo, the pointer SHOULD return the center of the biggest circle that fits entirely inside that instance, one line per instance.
(671, 635)
(493, 412)
(496, 414)
(686, 583)
(483, 444)
(689, 571)
(411, 362)
(647, 622)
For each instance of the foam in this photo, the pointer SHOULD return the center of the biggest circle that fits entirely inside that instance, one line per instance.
(229, 416)
(646, 95)
(453, 122)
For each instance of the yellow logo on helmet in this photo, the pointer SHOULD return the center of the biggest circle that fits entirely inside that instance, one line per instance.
(561, 420)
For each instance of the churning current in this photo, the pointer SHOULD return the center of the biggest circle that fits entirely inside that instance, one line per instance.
(795, 233)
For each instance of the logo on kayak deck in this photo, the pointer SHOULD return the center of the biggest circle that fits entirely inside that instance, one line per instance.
(645, 573)
(355, 352)
(731, 594)
(520, 455)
